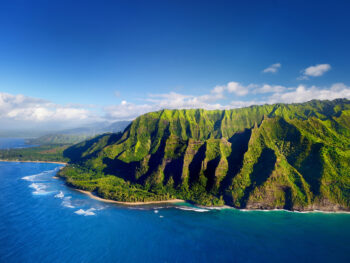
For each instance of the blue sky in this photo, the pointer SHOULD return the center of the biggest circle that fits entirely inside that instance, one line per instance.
(81, 61)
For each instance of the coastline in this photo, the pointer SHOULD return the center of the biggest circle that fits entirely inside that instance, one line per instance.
(21, 161)
(91, 195)
(294, 211)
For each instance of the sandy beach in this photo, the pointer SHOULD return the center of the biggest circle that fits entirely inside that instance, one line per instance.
(91, 195)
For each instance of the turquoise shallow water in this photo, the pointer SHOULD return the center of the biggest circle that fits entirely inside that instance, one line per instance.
(41, 220)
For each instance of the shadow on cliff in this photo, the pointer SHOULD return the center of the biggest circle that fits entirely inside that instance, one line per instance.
(75, 153)
(174, 169)
(311, 168)
(239, 146)
(261, 172)
(195, 166)
(210, 174)
(288, 204)
(156, 159)
(121, 169)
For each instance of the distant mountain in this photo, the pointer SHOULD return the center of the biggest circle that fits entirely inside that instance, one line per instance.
(286, 156)
(57, 138)
(97, 128)
(76, 135)
(118, 126)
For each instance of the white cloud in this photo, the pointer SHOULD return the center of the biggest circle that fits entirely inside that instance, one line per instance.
(155, 102)
(269, 89)
(272, 68)
(259, 94)
(174, 100)
(241, 104)
(315, 71)
(303, 94)
(23, 108)
(127, 111)
(235, 87)
(231, 87)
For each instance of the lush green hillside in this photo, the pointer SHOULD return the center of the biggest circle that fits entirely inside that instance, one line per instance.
(293, 156)
(47, 153)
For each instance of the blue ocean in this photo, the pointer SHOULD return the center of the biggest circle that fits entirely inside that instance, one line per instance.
(11, 143)
(42, 220)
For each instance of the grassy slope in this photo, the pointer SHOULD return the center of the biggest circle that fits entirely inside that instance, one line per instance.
(293, 156)
(52, 152)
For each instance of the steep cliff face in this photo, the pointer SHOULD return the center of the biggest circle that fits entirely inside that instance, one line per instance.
(292, 156)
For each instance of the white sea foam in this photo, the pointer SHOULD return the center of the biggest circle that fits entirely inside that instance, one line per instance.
(67, 202)
(32, 178)
(36, 177)
(137, 208)
(88, 212)
(99, 207)
(195, 209)
(60, 195)
(217, 207)
(269, 210)
(39, 188)
(156, 211)
(294, 211)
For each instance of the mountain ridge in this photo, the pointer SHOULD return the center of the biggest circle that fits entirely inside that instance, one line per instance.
(288, 156)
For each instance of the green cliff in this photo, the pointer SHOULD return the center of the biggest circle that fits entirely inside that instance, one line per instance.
(291, 156)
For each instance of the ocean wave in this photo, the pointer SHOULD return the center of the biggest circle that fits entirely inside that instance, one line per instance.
(67, 202)
(32, 178)
(39, 188)
(195, 209)
(36, 177)
(100, 207)
(88, 212)
(218, 207)
(60, 195)
(137, 208)
(294, 211)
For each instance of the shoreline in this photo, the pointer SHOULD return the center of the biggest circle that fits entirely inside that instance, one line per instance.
(91, 195)
(294, 211)
(21, 161)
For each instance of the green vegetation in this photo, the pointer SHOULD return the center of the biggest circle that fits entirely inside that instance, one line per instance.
(291, 156)
(109, 186)
(50, 153)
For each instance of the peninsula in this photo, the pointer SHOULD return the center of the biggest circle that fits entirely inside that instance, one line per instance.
(281, 156)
